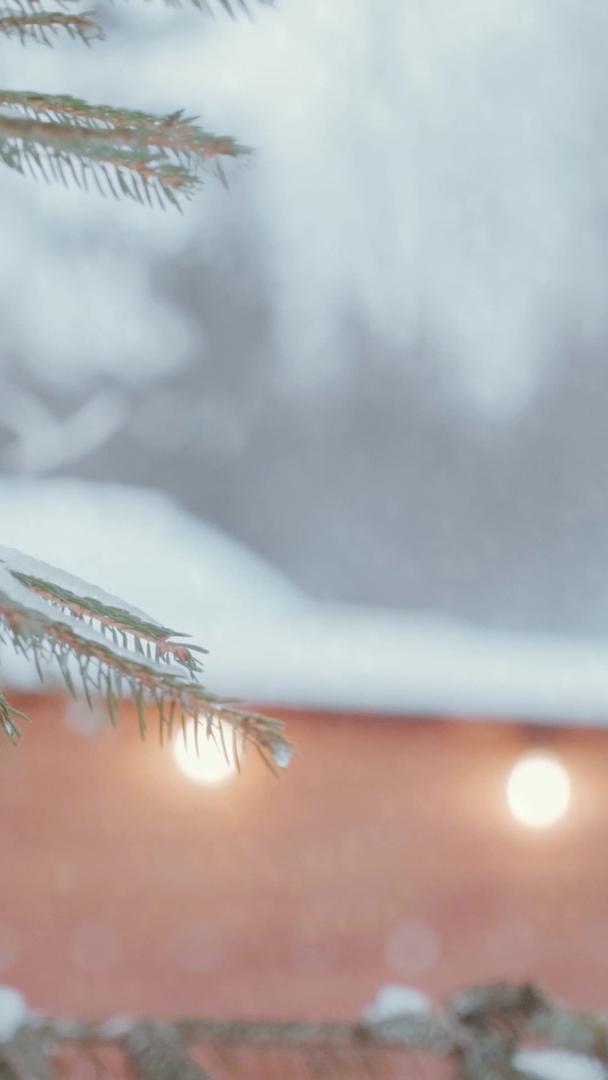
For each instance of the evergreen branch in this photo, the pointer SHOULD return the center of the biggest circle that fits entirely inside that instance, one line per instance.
(125, 152)
(110, 615)
(483, 1045)
(39, 25)
(116, 648)
(28, 19)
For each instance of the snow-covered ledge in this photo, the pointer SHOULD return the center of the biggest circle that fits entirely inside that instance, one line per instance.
(268, 641)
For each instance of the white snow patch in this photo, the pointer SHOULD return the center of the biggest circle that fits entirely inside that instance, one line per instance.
(23, 563)
(559, 1065)
(393, 1001)
(269, 642)
(14, 1012)
(117, 1027)
(282, 755)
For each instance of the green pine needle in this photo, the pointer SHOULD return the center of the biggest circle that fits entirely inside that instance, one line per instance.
(116, 650)
(41, 26)
(121, 152)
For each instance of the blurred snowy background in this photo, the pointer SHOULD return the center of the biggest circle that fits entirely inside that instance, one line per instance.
(378, 361)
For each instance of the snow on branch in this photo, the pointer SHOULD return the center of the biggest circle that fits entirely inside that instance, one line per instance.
(483, 1033)
(111, 649)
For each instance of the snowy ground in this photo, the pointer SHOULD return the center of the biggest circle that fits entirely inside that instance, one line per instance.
(268, 641)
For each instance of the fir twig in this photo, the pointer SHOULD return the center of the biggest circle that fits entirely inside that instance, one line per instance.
(125, 152)
(40, 25)
(482, 1045)
(114, 648)
(122, 152)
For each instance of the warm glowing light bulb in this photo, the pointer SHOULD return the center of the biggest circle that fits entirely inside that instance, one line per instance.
(538, 790)
(213, 761)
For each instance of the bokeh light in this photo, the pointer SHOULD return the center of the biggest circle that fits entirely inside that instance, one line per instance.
(538, 790)
(206, 761)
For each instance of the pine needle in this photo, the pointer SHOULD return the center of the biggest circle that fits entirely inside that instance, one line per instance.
(153, 160)
(48, 617)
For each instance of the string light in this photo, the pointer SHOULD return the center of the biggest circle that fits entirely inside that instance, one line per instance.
(538, 790)
(211, 762)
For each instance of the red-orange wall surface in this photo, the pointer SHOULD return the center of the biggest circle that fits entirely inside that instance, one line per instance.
(385, 853)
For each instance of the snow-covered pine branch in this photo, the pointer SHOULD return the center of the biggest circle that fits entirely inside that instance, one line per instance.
(110, 649)
(491, 1042)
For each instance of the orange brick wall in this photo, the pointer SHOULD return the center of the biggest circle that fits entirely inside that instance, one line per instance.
(385, 853)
